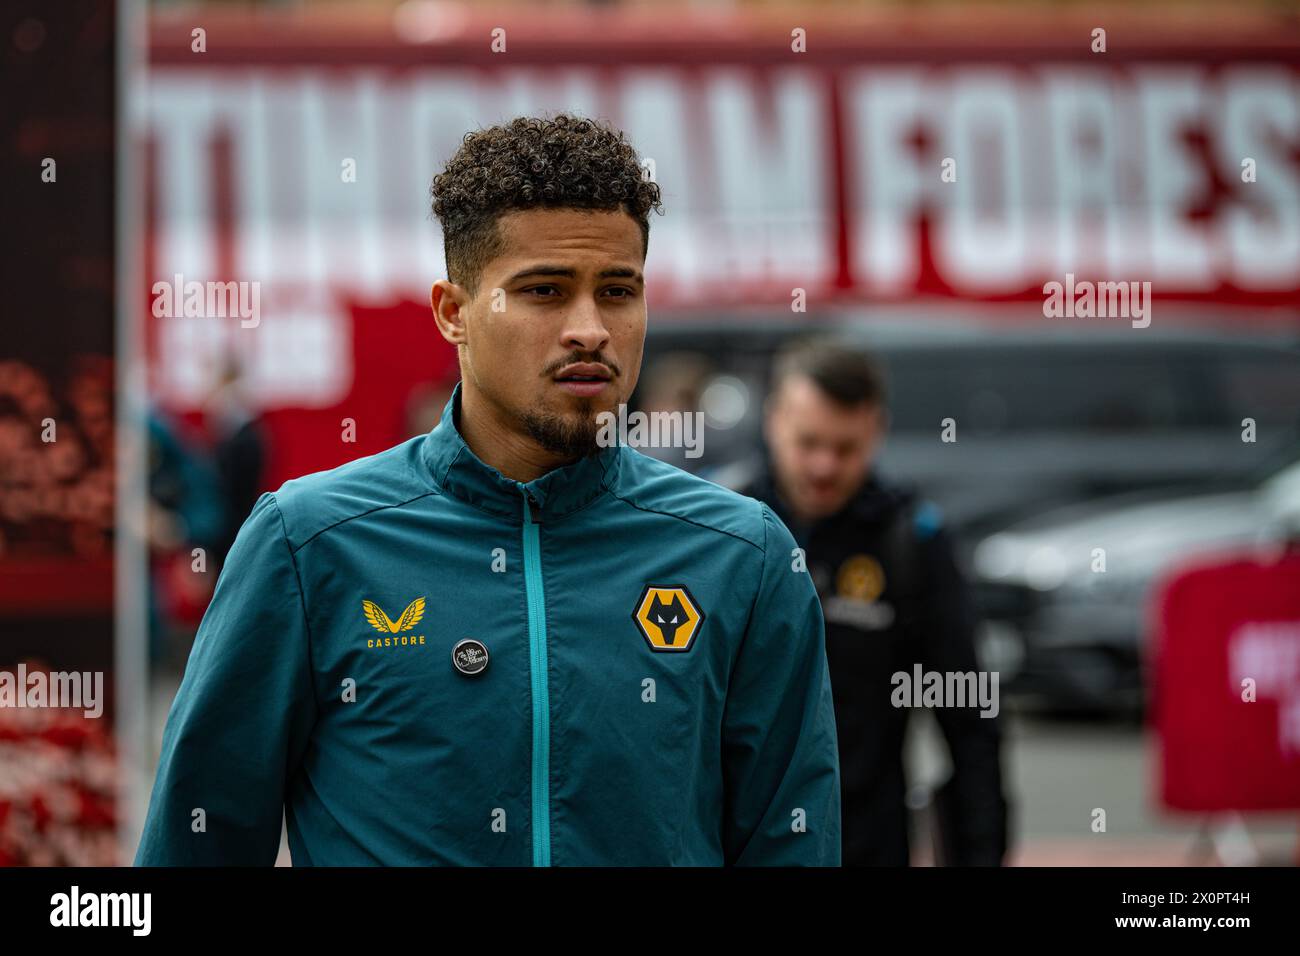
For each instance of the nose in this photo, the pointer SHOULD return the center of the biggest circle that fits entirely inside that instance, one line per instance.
(822, 465)
(584, 328)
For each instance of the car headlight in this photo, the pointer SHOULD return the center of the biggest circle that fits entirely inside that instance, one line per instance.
(1046, 568)
(997, 557)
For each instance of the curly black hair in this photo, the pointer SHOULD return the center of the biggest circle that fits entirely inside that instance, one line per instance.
(564, 162)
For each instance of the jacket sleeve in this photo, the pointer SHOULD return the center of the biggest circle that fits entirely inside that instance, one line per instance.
(780, 756)
(975, 809)
(241, 718)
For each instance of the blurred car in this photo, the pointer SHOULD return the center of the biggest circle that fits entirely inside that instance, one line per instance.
(1066, 634)
(1066, 435)
(1045, 415)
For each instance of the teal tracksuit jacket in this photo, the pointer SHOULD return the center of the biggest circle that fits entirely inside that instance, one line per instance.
(642, 681)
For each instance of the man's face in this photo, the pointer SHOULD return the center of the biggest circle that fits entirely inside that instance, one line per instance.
(555, 333)
(821, 450)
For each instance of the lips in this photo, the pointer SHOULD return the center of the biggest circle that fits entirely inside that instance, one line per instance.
(584, 379)
(584, 372)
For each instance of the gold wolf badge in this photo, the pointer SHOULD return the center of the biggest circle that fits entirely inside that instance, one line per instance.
(384, 624)
(669, 618)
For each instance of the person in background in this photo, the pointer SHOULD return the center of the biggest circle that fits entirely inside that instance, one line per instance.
(186, 511)
(238, 452)
(892, 596)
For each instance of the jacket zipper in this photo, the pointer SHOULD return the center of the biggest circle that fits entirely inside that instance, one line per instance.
(541, 702)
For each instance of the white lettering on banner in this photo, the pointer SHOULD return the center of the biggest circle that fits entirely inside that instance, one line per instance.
(1261, 117)
(1115, 173)
(654, 116)
(1268, 652)
(1085, 131)
(1080, 171)
(301, 354)
(183, 112)
(981, 240)
(341, 118)
(885, 108)
(773, 183)
(1170, 102)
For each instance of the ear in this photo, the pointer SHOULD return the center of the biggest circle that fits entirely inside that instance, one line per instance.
(448, 301)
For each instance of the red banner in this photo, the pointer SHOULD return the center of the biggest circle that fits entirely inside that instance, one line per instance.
(834, 163)
(1227, 686)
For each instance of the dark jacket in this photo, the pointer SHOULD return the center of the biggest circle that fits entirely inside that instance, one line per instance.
(893, 597)
(424, 662)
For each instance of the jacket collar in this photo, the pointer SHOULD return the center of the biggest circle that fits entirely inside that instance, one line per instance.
(457, 471)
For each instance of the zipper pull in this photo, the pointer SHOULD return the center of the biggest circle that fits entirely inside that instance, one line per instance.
(530, 502)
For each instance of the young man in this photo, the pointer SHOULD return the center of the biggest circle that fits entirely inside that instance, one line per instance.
(892, 596)
(507, 642)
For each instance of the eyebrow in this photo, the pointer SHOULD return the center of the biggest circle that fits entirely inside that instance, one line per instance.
(541, 271)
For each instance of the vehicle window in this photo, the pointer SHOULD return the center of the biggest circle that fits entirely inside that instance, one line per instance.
(995, 393)
(1264, 387)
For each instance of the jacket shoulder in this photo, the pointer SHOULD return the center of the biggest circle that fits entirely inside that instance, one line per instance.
(319, 501)
(653, 485)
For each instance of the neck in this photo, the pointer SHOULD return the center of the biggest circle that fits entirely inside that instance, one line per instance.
(516, 455)
(797, 514)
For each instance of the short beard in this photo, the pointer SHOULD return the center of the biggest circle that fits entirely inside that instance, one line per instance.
(568, 437)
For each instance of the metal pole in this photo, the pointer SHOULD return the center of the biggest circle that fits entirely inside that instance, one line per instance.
(130, 565)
